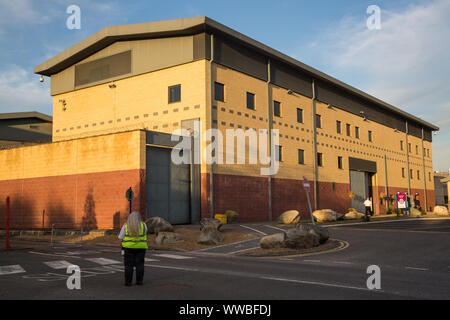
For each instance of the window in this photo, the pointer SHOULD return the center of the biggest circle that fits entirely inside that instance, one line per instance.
(401, 145)
(429, 176)
(301, 156)
(219, 92)
(340, 162)
(403, 172)
(411, 173)
(348, 130)
(279, 153)
(319, 160)
(338, 127)
(250, 101)
(357, 132)
(318, 121)
(277, 109)
(370, 136)
(409, 147)
(417, 149)
(299, 115)
(428, 153)
(175, 94)
(418, 174)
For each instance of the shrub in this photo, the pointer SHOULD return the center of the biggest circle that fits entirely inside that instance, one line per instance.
(231, 213)
(366, 218)
(351, 210)
(389, 210)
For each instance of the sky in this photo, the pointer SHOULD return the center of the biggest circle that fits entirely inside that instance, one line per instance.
(405, 63)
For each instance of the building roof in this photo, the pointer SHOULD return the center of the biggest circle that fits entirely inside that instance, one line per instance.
(25, 115)
(190, 26)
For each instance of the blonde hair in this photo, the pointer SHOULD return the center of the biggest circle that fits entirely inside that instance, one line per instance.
(134, 224)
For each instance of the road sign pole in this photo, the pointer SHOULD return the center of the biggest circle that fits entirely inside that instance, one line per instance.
(7, 223)
(310, 209)
(307, 188)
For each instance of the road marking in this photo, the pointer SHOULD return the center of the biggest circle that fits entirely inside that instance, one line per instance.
(384, 221)
(227, 245)
(419, 269)
(4, 270)
(324, 284)
(60, 264)
(234, 252)
(313, 261)
(54, 255)
(341, 262)
(265, 234)
(275, 228)
(103, 261)
(172, 256)
(150, 260)
(170, 267)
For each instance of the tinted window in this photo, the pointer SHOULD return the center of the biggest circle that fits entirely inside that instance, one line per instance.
(299, 115)
(277, 109)
(318, 121)
(348, 130)
(219, 93)
(175, 94)
(319, 160)
(250, 101)
(301, 156)
(338, 127)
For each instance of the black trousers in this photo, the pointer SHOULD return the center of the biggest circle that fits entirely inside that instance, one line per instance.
(134, 258)
(369, 211)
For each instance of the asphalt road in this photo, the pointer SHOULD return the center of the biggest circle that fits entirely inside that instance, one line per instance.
(414, 258)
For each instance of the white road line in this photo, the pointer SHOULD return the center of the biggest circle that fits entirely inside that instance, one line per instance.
(103, 261)
(384, 221)
(5, 270)
(226, 245)
(172, 256)
(274, 228)
(319, 284)
(150, 260)
(265, 234)
(313, 261)
(170, 267)
(60, 264)
(419, 269)
(54, 255)
(341, 262)
(243, 250)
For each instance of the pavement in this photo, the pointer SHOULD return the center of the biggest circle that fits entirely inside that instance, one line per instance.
(413, 257)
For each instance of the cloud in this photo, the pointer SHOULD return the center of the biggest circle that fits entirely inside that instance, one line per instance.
(21, 91)
(405, 63)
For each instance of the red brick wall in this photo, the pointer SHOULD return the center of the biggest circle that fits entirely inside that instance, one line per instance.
(96, 199)
(421, 197)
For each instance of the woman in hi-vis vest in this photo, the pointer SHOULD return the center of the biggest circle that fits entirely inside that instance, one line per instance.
(134, 246)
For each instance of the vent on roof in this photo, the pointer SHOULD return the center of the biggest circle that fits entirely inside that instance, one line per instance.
(104, 68)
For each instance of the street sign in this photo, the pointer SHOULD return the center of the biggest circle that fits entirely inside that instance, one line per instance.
(129, 195)
(306, 185)
(307, 188)
(401, 199)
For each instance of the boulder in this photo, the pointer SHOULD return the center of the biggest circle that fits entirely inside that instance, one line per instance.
(323, 233)
(327, 215)
(209, 235)
(301, 239)
(208, 222)
(156, 225)
(168, 237)
(273, 241)
(289, 217)
(440, 211)
(354, 215)
(415, 213)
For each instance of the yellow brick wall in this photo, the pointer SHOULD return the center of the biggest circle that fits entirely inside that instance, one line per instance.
(113, 152)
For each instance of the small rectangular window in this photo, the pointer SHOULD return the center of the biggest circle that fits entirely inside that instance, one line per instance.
(318, 121)
(411, 173)
(279, 153)
(319, 160)
(301, 156)
(428, 153)
(370, 136)
(409, 147)
(348, 130)
(417, 150)
(277, 109)
(219, 92)
(429, 176)
(175, 94)
(357, 132)
(340, 163)
(250, 101)
(418, 174)
(338, 127)
(401, 145)
(299, 115)
(403, 172)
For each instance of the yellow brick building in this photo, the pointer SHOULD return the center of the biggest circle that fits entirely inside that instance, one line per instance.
(153, 78)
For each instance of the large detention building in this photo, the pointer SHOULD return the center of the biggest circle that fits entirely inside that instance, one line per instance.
(118, 93)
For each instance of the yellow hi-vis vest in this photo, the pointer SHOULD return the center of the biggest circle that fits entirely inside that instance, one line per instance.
(139, 242)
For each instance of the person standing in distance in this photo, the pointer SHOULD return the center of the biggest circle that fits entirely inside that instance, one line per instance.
(134, 247)
(368, 205)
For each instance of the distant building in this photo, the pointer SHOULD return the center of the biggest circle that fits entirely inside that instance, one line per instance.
(24, 128)
(441, 188)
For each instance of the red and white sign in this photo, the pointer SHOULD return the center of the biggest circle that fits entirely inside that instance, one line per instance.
(401, 200)
(306, 185)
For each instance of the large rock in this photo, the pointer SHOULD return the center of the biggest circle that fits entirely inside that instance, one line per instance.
(273, 241)
(354, 215)
(301, 239)
(208, 222)
(209, 235)
(415, 213)
(168, 237)
(156, 225)
(289, 217)
(321, 232)
(327, 215)
(440, 211)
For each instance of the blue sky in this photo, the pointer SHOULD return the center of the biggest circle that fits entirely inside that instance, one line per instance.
(406, 63)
